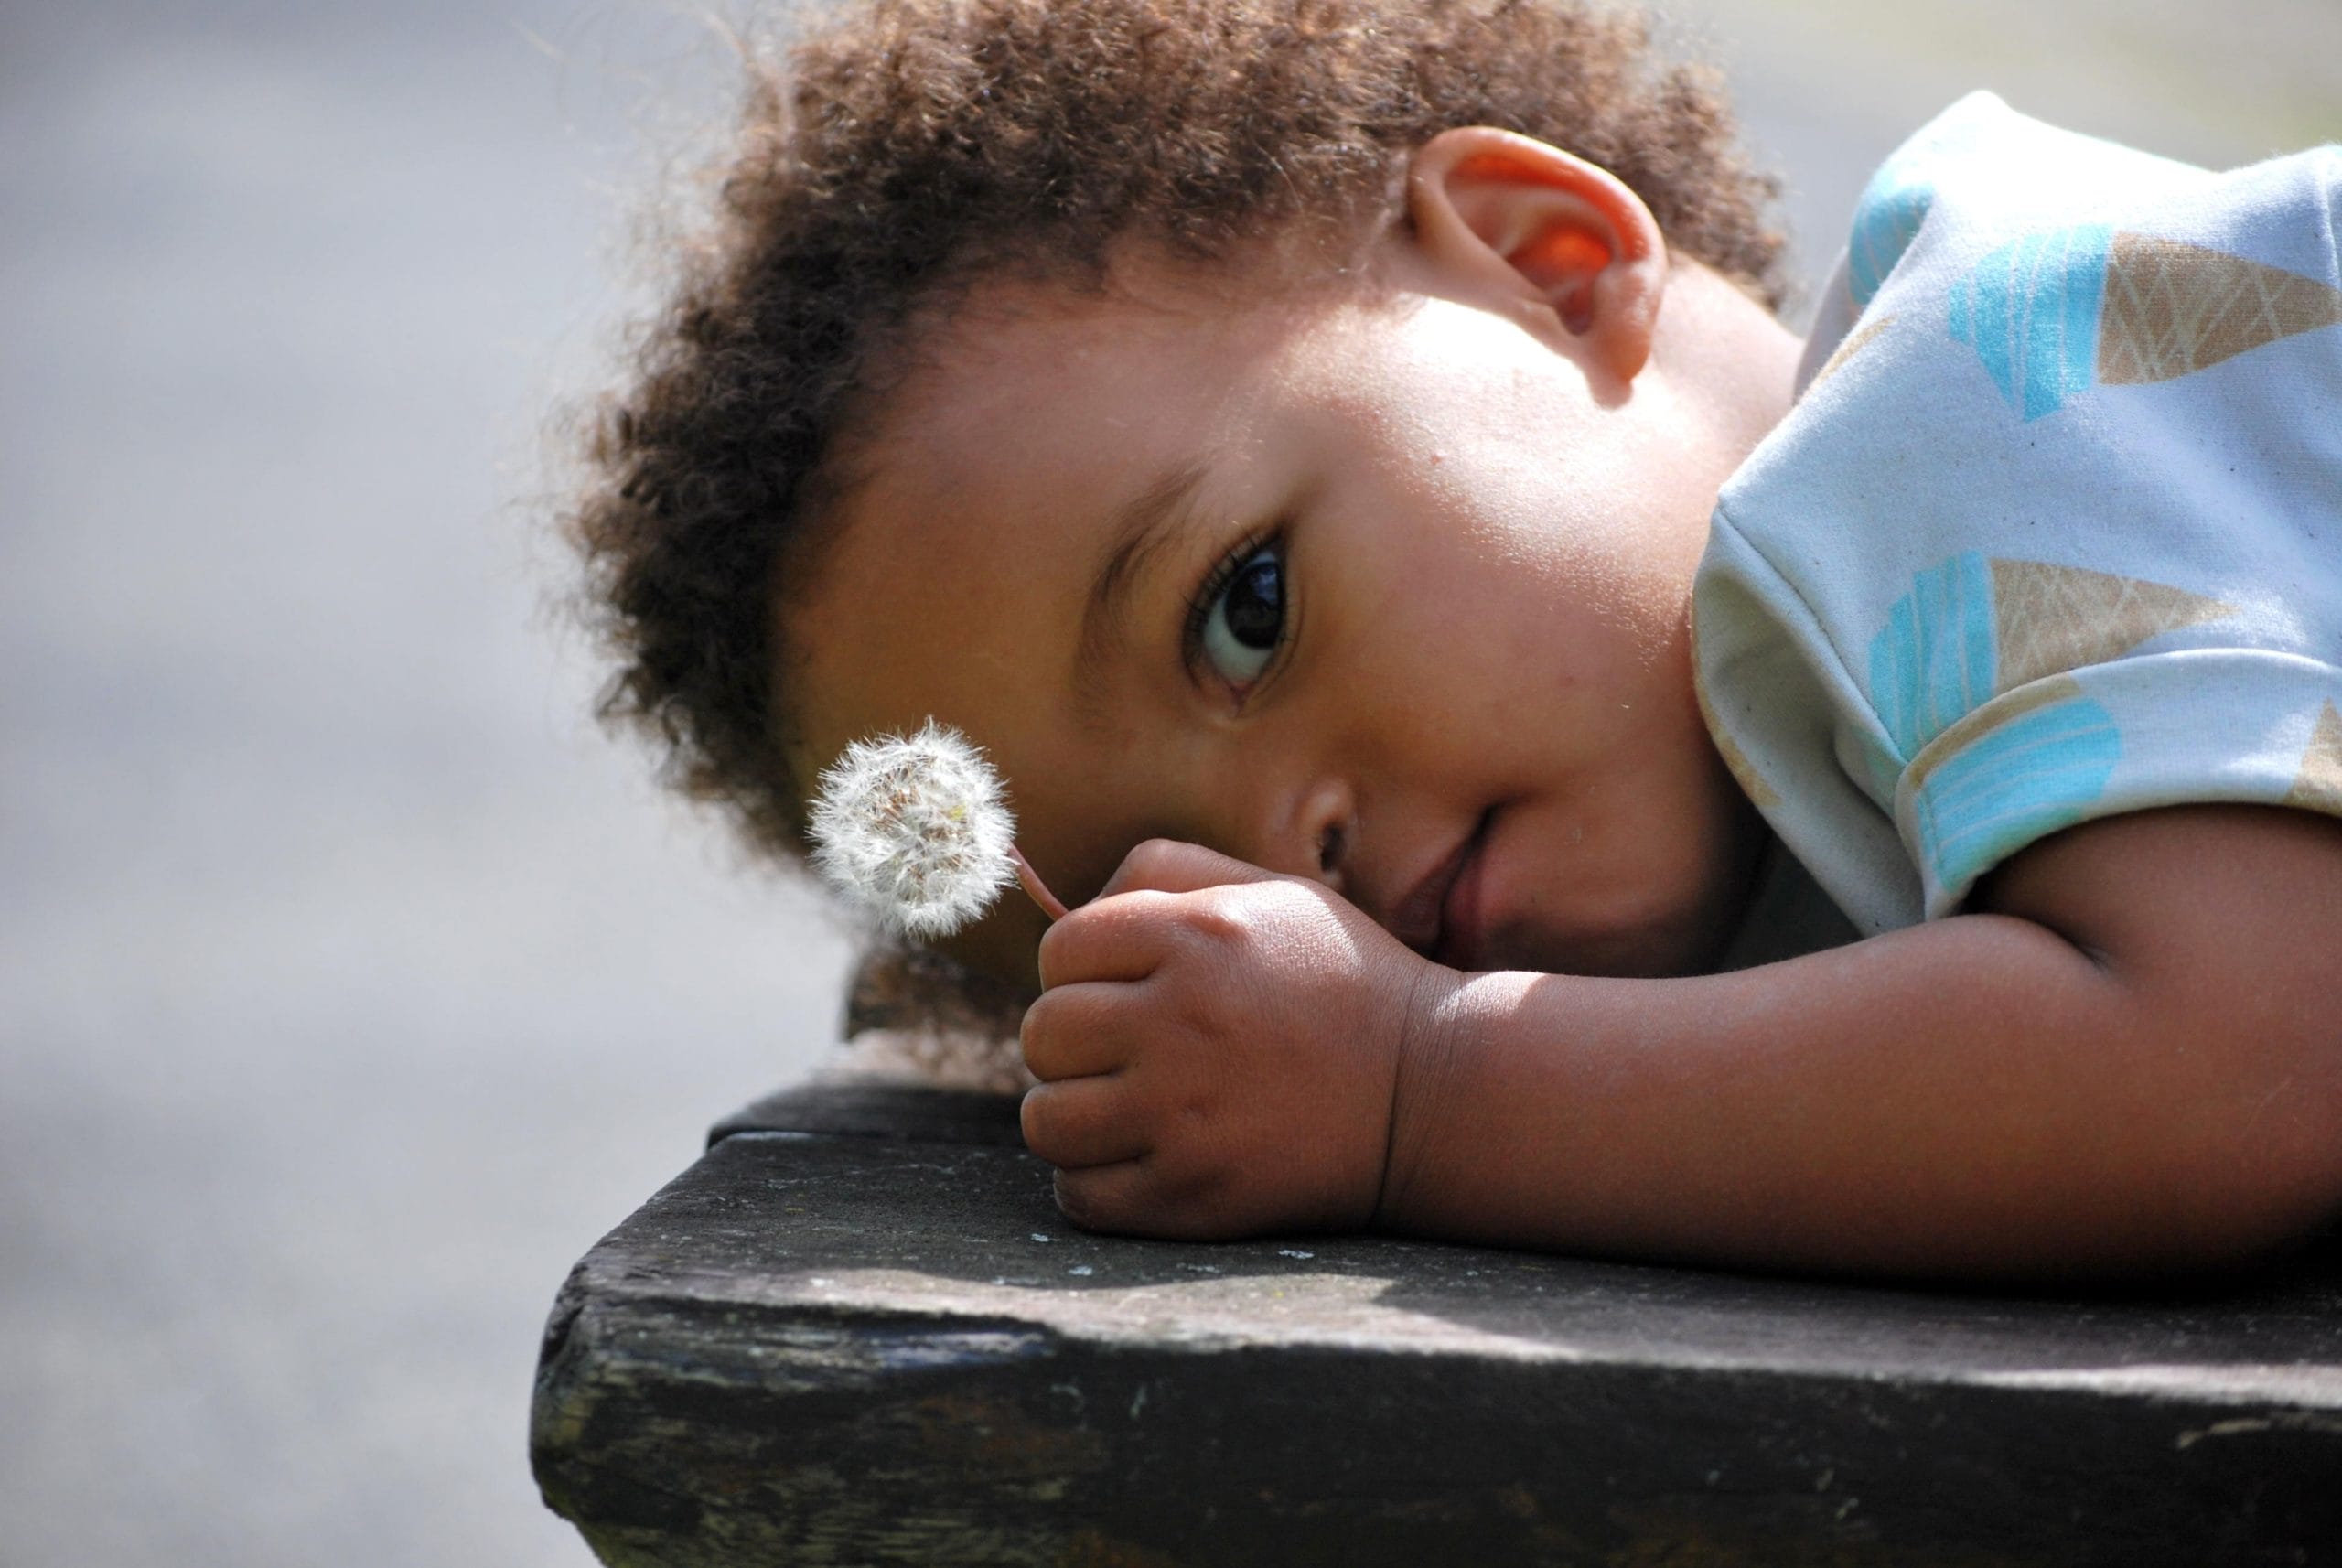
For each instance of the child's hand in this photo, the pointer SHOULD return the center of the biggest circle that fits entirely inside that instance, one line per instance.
(1218, 1048)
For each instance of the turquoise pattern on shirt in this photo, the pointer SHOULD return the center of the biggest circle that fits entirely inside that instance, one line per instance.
(1936, 657)
(1936, 660)
(2014, 784)
(2030, 310)
(1893, 208)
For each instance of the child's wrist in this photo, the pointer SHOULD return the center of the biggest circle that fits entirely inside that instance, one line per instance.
(1454, 1018)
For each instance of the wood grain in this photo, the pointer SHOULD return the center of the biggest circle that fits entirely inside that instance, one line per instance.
(831, 1342)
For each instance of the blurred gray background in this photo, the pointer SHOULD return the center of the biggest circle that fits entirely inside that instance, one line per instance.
(351, 984)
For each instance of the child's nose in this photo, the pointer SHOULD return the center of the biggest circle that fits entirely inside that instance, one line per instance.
(1317, 835)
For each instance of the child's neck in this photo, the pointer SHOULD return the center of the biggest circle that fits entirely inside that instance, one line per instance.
(1787, 914)
(1719, 344)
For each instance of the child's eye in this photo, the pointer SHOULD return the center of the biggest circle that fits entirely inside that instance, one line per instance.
(1237, 619)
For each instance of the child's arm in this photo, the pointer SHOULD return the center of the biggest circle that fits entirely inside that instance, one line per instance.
(2133, 1063)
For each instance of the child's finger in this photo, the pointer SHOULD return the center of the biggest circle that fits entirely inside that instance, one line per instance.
(1107, 1197)
(1072, 1031)
(1080, 1123)
(1169, 866)
(1121, 939)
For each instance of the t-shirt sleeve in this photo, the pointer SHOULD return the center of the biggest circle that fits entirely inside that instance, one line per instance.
(2055, 530)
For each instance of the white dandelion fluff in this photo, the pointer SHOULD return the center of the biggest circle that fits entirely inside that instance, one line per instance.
(914, 830)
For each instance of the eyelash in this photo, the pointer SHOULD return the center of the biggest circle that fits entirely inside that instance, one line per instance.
(1215, 582)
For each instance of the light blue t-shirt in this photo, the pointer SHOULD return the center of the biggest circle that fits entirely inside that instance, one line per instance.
(2055, 528)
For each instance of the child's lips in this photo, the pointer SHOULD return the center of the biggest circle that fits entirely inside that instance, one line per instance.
(1440, 917)
(1419, 919)
(1461, 920)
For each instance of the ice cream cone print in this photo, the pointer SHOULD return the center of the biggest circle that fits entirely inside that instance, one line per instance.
(2022, 765)
(1976, 627)
(2063, 310)
(2174, 308)
(2030, 311)
(1854, 343)
(2048, 619)
(1893, 208)
(2318, 785)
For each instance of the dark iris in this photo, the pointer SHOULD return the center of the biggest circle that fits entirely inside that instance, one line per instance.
(1256, 602)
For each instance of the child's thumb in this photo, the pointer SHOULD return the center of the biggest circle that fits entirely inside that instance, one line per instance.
(1167, 866)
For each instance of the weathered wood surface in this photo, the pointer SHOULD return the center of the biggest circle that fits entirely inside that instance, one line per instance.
(830, 1342)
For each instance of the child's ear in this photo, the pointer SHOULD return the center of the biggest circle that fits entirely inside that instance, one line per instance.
(1549, 228)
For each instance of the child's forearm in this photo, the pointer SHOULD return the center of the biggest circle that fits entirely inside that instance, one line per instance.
(1972, 1098)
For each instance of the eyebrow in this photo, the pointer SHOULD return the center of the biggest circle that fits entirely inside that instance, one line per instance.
(1139, 531)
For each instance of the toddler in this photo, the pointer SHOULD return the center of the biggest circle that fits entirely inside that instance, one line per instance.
(1539, 756)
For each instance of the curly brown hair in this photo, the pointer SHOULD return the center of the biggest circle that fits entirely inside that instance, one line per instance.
(912, 145)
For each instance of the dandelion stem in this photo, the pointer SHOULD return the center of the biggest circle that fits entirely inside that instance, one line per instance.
(1030, 880)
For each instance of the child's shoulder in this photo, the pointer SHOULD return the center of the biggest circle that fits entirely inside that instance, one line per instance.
(1980, 178)
(1993, 221)
(2064, 446)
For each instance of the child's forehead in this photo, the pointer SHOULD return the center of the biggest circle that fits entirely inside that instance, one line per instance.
(1033, 432)
(975, 356)
(1050, 400)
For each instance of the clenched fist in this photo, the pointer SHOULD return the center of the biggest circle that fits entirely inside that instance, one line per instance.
(1219, 1049)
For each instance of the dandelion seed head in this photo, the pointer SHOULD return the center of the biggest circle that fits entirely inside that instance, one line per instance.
(913, 830)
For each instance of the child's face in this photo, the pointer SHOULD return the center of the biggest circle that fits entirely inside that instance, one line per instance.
(1412, 585)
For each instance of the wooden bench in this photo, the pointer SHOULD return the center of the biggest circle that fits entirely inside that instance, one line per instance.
(858, 1331)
